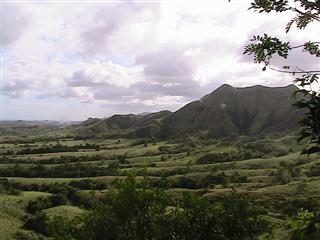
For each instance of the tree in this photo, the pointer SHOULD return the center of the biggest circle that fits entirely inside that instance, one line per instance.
(137, 211)
(264, 47)
(131, 210)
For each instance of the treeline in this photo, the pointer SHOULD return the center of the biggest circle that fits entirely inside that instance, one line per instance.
(62, 193)
(60, 159)
(62, 171)
(57, 148)
(27, 139)
(208, 181)
(186, 182)
(244, 152)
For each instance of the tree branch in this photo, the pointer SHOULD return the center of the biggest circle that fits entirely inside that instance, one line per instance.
(294, 9)
(300, 71)
(303, 45)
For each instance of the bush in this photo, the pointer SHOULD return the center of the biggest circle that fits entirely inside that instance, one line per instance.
(35, 206)
(6, 187)
(58, 199)
(216, 158)
(24, 235)
(39, 223)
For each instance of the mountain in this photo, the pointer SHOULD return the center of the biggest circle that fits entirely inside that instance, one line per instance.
(129, 125)
(227, 111)
(230, 111)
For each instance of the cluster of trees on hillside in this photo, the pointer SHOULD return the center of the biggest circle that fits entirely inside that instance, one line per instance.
(207, 181)
(61, 171)
(35, 206)
(58, 148)
(6, 187)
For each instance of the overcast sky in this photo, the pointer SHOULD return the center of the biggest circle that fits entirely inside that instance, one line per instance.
(73, 60)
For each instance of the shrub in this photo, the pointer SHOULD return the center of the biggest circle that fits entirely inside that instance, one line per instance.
(38, 223)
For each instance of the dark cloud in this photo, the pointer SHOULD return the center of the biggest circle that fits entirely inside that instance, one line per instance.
(188, 89)
(16, 88)
(104, 24)
(14, 23)
(99, 35)
(112, 92)
(81, 79)
(167, 64)
(135, 108)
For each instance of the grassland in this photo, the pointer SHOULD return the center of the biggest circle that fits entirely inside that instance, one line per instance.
(269, 170)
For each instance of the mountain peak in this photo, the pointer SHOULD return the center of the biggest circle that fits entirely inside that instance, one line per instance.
(225, 86)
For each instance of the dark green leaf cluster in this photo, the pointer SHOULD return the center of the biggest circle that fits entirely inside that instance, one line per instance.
(310, 102)
(312, 48)
(306, 11)
(264, 47)
(268, 6)
(304, 225)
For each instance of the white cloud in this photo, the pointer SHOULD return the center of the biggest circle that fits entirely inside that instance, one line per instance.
(134, 56)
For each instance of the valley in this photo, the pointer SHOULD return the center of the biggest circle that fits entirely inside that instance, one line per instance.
(58, 170)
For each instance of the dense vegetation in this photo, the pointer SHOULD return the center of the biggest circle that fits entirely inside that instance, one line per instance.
(136, 211)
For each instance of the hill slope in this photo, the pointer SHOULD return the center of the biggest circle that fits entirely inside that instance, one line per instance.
(230, 111)
(129, 125)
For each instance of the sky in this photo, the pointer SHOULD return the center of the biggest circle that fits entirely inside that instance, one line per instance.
(70, 60)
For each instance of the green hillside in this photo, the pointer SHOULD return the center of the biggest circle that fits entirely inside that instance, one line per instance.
(230, 111)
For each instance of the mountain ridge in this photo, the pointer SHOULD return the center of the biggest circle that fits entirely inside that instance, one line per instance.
(226, 111)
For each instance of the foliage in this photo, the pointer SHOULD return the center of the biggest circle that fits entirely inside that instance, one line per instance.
(64, 170)
(7, 188)
(26, 235)
(265, 47)
(304, 225)
(38, 223)
(310, 123)
(137, 211)
(58, 148)
(41, 203)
